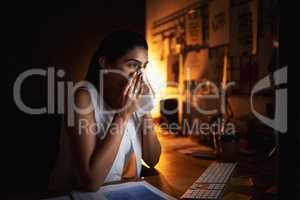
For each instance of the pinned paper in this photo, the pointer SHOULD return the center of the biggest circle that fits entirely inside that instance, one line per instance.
(241, 181)
(236, 196)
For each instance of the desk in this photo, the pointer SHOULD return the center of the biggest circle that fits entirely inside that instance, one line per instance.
(176, 172)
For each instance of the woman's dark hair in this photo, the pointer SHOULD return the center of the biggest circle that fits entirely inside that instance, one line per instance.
(113, 46)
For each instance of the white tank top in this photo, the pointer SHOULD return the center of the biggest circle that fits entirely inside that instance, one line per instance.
(66, 177)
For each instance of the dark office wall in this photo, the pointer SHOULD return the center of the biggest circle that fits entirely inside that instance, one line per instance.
(39, 35)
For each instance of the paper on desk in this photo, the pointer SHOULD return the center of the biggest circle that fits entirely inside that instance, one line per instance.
(236, 196)
(190, 150)
(135, 190)
(241, 181)
(130, 190)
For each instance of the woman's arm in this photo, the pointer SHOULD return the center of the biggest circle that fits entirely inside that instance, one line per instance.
(94, 156)
(150, 144)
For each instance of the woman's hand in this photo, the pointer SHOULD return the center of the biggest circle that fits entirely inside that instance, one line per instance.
(131, 96)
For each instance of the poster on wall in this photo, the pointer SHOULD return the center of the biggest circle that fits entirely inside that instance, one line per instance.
(243, 27)
(216, 65)
(165, 49)
(218, 17)
(172, 69)
(196, 65)
(194, 28)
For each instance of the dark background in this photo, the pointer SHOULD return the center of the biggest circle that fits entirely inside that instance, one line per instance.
(38, 35)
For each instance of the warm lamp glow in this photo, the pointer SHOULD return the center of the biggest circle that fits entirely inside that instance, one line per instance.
(157, 77)
(225, 68)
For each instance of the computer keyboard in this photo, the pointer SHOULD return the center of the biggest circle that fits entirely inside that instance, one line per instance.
(211, 183)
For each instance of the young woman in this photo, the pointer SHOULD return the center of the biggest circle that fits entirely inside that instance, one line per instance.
(108, 142)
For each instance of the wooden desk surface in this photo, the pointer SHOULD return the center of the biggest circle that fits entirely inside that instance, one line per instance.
(176, 172)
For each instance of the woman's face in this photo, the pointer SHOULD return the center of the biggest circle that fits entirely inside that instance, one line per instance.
(127, 65)
(132, 61)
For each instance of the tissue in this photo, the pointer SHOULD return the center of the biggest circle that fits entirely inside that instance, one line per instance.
(147, 101)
